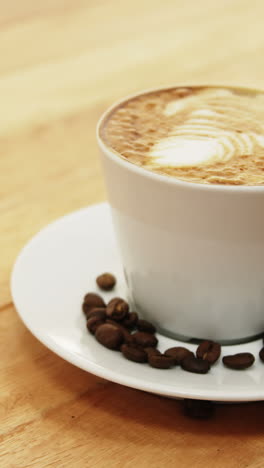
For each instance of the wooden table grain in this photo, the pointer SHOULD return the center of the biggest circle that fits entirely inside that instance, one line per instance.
(62, 63)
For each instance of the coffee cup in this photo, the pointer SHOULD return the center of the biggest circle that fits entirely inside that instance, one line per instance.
(193, 254)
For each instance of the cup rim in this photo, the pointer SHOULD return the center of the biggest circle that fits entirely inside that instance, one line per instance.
(163, 178)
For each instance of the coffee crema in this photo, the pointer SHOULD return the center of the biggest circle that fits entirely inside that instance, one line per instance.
(209, 135)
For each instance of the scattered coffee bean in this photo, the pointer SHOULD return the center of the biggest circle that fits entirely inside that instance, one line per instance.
(93, 323)
(152, 352)
(106, 281)
(178, 353)
(112, 325)
(109, 336)
(117, 309)
(198, 409)
(128, 338)
(197, 366)
(134, 353)
(209, 351)
(92, 300)
(146, 340)
(96, 312)
(145, 326)
(131, 320)
(239, 361)
(160, 361)
(85, 308)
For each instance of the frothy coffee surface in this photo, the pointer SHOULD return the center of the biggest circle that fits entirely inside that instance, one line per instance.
(204, 134)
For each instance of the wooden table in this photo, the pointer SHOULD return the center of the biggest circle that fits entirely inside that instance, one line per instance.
(62, 63)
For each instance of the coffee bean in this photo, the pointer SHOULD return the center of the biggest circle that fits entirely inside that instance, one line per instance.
(160, 361)
(152, 352)
(117, 309)
(109, 336)
(178, 353)
(197, 366)
(239, 361)
(92, 300)
(134, 353)
(106, 281)
(145, 326)
(96, 312)
(209, 351)
(93, 323)
(128, 338)
(198, 409)
(261, 354)
(131, 320)
(146, 340)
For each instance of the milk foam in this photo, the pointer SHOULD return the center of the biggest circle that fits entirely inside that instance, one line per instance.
(205, 136)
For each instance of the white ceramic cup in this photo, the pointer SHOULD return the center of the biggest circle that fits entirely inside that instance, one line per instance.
(193, 254)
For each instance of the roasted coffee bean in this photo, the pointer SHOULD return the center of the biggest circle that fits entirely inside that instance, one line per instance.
(134, 353)
(92, 300)
(261, 354)
(146, 340)
(106, 281)
(145, 326)
(96, 312)
(197, 366)
(198, 409)
(85, 308)
(109, 336)
(93, 323)
(239, 361)
(131, 320)
(160, 361)
(128, 338)
(152, 352)
(178, 353)
(209, 351)
(117, 309)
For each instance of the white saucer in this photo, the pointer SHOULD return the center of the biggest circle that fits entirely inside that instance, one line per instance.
(50, 277)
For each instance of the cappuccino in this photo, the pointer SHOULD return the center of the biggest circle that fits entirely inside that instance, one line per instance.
(208, 135)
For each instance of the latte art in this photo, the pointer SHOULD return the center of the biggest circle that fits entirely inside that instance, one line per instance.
(205, 135)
